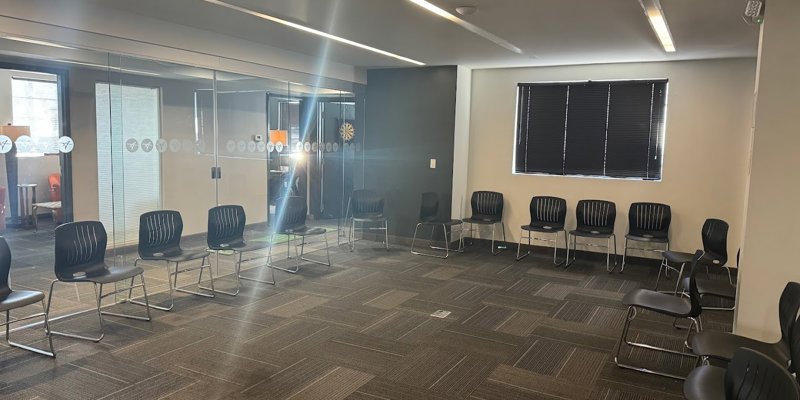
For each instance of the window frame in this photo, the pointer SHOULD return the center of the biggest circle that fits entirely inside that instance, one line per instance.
(517, 111)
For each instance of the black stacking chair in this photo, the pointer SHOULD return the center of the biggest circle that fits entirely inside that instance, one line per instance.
(648, 223)
(12, 299)
(160, 240)
(715, 246)
(429, 216)
(80, 258)
(664, 304)
(226, 233)
(487, 209)
(366, 207)
(291, 221)
(547, 216)
(717, 288)
(749, 375)
(722, 345)
(596, 220)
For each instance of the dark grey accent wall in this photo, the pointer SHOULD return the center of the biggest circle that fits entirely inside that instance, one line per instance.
(410, 118)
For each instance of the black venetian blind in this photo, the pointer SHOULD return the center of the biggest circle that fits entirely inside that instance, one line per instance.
(600, 128)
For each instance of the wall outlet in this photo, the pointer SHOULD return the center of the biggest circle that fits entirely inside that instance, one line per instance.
(433, 163)
(258, 138)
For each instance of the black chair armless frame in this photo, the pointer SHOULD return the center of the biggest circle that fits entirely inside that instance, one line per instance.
(366, 207)
(291, 221)
(647, 223)
(160, 240)
(12, 299)
(548, 216)
(487, 209)
(429, 216)
(226, 225)
(80, 249)
(665, 304)
(715, 245)
(596, 220)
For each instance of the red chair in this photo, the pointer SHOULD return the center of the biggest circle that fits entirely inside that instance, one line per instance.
(55, 194)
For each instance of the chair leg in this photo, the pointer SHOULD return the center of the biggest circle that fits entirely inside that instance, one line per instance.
(8, 323)
(519, 245)
(72, 335)
(171, 289)
(202, 266)
(572, 241)
(297, 262)
(240, 277)
(624, 340)
(414, 239)
(146, 301)
(624, 255)
(386, 234)
(616, 256)
(236, 269)
(499, 249)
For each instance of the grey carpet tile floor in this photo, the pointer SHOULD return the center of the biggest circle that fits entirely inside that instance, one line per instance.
(361, 329)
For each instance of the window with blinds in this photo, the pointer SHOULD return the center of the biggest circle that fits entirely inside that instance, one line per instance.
(35, 104)
(129, 179)
(612, 129)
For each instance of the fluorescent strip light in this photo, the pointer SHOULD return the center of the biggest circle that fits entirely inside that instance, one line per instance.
(652, 9)
(34, 41)
(134, 71)
(468, 26)
(312, 30)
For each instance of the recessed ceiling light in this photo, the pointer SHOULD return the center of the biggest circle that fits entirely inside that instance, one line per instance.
(312, 31)
(652, 9)
(468, 26)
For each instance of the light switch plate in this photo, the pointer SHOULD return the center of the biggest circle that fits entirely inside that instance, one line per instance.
(433, 163)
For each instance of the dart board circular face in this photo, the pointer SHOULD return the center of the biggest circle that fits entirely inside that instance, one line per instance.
(347, 131)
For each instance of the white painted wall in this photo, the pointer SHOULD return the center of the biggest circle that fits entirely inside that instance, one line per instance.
(460, 201)
(709, 114)
(770, 235)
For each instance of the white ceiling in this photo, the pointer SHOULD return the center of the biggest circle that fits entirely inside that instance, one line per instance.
(555, 32)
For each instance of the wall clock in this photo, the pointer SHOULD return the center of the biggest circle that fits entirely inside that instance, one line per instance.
(347, 131)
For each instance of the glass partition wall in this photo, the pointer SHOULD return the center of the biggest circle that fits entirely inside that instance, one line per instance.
(153, 135)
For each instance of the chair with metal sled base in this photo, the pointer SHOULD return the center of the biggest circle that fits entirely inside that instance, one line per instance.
(80, 258)
(160, 240)
(749, 376)
(722, 345)
(596, 220)
(647, 223)
(429, 216)
(226, 233)
(292, 213)
(487, 209)
(366, 208)
(715, 248)
(12, 299)
(548, 215)
(664, 304)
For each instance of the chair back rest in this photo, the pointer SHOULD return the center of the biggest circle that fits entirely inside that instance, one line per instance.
(596, 216)
(548, 210)
(788, 307)
(292, 212)
(751, 375)
(160, 232)
(429, 207)
(649, 220)
(5, 268)
(225, 225)
(80, 247)
(487, 205)
(694, 293)
(715, 241)
(366, 203)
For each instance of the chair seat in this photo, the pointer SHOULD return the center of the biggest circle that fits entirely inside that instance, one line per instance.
(481, 220)
(20, 298)
(595, 234)
(177, 256)
(105, 275)
(544, 228)
(709, 287)
(305, 231)
(722, 345)
(649, 238)
(446, 222)
(240, 246)
(705, 383)
(660, 302)
(678, 257)
(365, 218)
